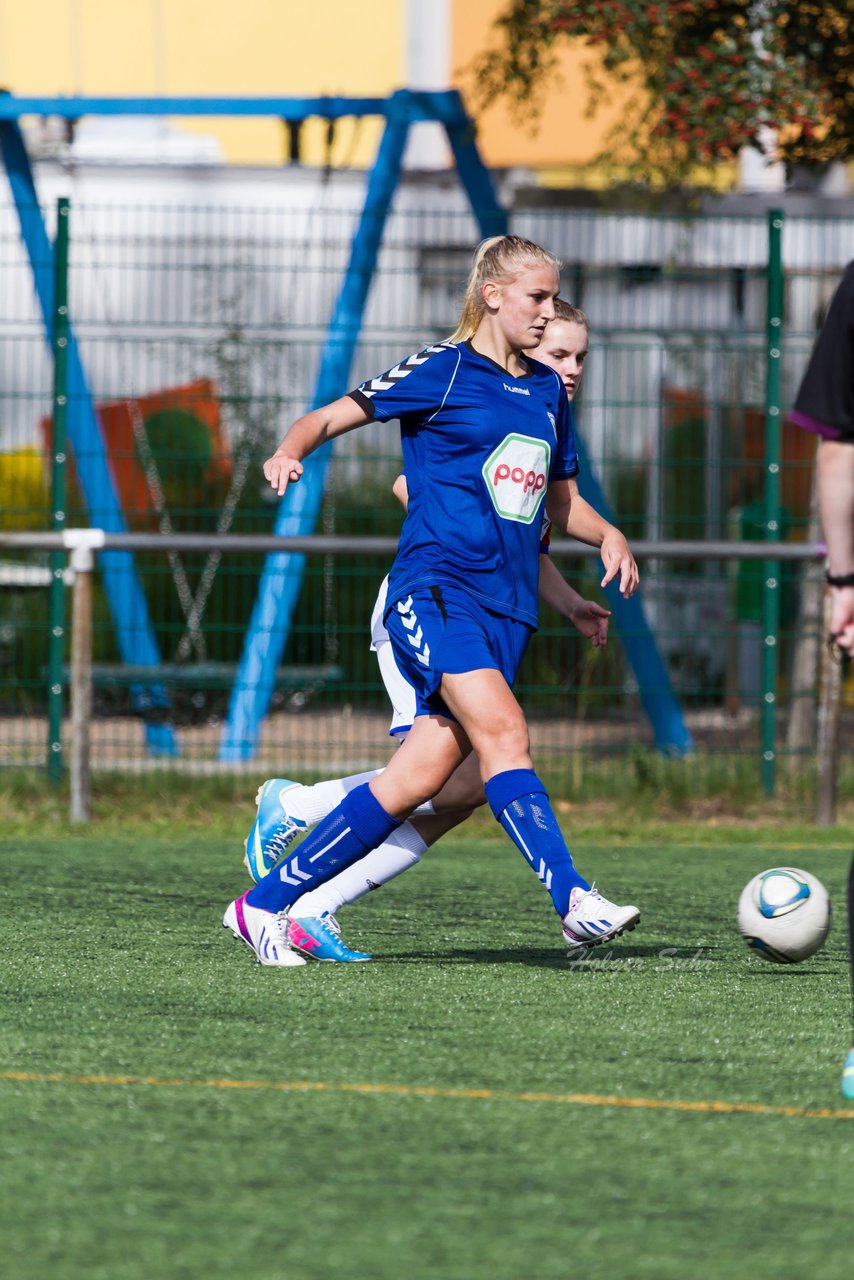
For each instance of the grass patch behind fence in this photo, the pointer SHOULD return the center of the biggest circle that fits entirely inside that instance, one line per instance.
(617, 795)
(143, 1057)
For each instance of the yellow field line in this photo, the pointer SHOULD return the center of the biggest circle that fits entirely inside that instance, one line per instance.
(418, 1091)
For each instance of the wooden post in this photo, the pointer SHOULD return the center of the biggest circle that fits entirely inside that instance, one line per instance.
(82, 562)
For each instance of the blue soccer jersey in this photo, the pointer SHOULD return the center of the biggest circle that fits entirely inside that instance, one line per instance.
(480, 448)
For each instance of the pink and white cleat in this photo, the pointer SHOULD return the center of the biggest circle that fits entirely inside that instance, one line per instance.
(266, 932)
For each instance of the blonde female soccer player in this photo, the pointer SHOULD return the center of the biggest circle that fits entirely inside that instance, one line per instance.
(313, 927)
(487, 440)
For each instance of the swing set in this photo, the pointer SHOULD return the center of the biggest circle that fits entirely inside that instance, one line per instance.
(280, 582)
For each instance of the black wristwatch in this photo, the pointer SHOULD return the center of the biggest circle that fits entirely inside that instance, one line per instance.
(838, 579)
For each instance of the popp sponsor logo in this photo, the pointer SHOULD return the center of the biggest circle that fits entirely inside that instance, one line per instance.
(535, 480)
(516, 473)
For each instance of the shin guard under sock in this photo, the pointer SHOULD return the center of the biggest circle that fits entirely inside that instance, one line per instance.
(520, 803)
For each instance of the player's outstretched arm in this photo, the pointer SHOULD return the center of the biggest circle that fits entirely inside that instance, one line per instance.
(307, 434)
(618, 559)
(588, 617)
(572, 513)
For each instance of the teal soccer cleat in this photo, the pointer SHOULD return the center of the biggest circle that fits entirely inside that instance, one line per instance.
(848, 1076)
(273, 829)
(320, 938)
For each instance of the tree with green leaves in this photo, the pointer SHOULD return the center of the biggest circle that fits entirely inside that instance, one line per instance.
(705, 78)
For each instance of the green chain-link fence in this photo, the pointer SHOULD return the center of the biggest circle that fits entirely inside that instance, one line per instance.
(200, 328)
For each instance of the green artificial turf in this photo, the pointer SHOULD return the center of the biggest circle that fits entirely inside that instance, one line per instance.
(208, 1162)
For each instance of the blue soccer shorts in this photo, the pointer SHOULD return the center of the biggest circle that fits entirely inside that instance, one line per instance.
(438, 631)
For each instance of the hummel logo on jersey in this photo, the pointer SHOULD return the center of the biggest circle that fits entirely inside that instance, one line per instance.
(387, 380)
(516, 474)
(517, 391)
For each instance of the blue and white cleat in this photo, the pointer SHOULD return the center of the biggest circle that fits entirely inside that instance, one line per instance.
(273, 829)
(320, 938)
(848, 1076)
(592, 919)
(266, 932)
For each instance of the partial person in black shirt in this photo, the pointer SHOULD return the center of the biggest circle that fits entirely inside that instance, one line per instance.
(825, 405)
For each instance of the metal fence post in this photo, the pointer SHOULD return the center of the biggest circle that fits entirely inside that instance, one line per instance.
(58, 493)
(771, 568)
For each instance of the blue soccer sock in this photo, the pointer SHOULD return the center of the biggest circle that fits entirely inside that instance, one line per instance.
(520, 803)
(356, 827)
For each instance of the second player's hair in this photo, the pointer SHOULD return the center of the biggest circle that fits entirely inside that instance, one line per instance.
(500, 259)
(574, 315)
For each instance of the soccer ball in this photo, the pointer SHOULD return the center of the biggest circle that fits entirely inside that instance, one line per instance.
(784, 914)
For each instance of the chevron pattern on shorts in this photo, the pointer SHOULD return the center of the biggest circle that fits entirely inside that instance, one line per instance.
(410, 621)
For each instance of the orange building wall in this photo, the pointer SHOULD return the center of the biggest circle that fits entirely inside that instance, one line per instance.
(564, 136)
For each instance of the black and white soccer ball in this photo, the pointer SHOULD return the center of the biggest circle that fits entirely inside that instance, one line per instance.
(784, 914)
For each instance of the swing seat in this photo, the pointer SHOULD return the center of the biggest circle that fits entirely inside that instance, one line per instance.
(299, 683)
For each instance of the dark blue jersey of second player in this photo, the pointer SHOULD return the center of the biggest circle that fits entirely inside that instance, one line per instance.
(480, 448)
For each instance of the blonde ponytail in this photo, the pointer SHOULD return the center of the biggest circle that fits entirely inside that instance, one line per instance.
(500, 259)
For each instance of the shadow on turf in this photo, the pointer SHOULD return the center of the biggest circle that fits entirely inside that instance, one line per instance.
(646, 959)
(540, 957)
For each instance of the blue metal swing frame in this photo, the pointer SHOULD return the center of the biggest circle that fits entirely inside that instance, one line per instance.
(281, 579)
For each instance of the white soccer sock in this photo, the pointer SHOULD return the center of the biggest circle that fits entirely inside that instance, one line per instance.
(312, 803)
(400, 851)
(423, 810)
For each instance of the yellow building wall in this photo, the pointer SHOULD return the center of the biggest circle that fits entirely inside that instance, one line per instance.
(213, 47)
(281, 47)
(563, 137)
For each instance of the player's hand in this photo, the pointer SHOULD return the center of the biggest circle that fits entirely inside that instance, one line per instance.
(618, 559)
(281, 469)
(592, 621)
(842, 618)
